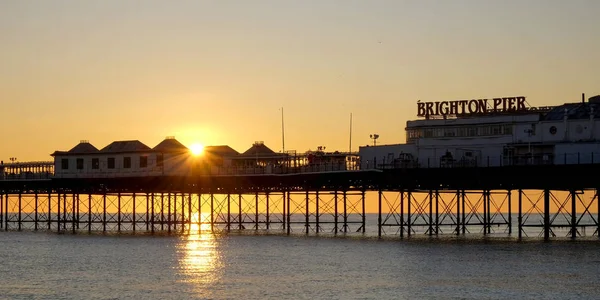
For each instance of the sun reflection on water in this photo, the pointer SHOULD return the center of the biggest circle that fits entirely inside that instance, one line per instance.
(199, 260)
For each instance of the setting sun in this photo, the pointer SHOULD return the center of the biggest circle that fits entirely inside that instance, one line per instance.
(196, 149)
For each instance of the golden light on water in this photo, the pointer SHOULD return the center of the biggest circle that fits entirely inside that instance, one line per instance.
(199, 254)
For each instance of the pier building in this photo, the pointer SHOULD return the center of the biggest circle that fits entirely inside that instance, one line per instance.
(495, 132)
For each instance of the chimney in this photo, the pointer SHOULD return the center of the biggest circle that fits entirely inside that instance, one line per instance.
(582, 97)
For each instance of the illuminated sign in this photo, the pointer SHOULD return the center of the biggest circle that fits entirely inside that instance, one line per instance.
(475, 106)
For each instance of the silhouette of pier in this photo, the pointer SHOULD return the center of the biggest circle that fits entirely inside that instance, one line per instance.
(410, 201)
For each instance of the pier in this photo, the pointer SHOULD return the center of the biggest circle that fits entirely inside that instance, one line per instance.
(552, 201)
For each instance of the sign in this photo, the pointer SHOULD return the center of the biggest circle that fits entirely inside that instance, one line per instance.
(475, 106)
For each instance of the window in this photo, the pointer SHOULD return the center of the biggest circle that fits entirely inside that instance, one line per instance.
(484, 130)
(496, 130)
(450, 132)
(472, 131)
(95, 163)
(64, 164)
(159, 160)
(127, 162)
(143, 161)
(111, 162)
(79, 164)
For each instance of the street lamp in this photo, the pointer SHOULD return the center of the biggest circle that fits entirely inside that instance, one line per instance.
(374, 137)
(13, 159)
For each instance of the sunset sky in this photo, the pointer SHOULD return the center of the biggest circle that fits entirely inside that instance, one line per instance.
(218, 72)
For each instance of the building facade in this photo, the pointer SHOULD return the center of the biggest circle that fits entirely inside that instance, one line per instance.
(564, 134)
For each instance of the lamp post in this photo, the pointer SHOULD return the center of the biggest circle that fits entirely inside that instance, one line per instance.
(374, 137)
(13, 159)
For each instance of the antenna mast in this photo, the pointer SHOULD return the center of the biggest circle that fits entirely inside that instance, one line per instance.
(350, 147)
(282, 133)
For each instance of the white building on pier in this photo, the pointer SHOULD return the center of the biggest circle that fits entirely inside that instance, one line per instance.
(564, 134)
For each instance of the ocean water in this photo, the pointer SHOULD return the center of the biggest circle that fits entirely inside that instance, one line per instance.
(46, 265)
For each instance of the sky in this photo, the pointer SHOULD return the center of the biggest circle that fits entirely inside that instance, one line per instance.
(219, 72)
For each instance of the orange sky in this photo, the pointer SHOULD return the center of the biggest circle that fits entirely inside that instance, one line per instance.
(217, 72)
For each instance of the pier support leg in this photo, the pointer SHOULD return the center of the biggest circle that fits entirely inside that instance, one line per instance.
(520, 214)
(485, 210)
(509, 195)
(6, 212)
(379, 214)
(19, 220)
(489, 211)
(169, 212)
(285, 210)
(36, 215)
(103, 212)
(546, 214)
(401, 213)
(240, 225)
(306, 216)
(457, 212)
(58, 212)
(464, 215)
(133, 219)
(256, 210)
(74, 220)
(199, 212)
(228, 212)
(288, 216)
(573, 214)
(430, 230)
(345, 199)
(152, 214)
(162, 211)
(1, 210)
(364, 211)
(212, 212)
(437, 212)
(335, 212)
(64, 212)
(89, 213)
(119, 212)
(409, 214)
(147, 220)
(317, 212)
(49, 209)
(189, 221)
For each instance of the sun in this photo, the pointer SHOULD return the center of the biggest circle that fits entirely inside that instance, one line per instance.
(196, 149)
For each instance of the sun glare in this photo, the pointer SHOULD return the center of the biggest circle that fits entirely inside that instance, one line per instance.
(197, 149)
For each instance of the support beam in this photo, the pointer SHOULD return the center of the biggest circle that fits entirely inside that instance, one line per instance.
(546, 214)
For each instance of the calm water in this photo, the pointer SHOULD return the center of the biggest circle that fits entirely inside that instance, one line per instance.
(65, 266)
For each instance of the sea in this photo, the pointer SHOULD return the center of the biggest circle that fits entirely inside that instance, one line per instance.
(204, 265)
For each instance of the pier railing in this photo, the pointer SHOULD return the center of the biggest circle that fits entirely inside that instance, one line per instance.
(445, 161)
(44, 170)
(33, 170)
